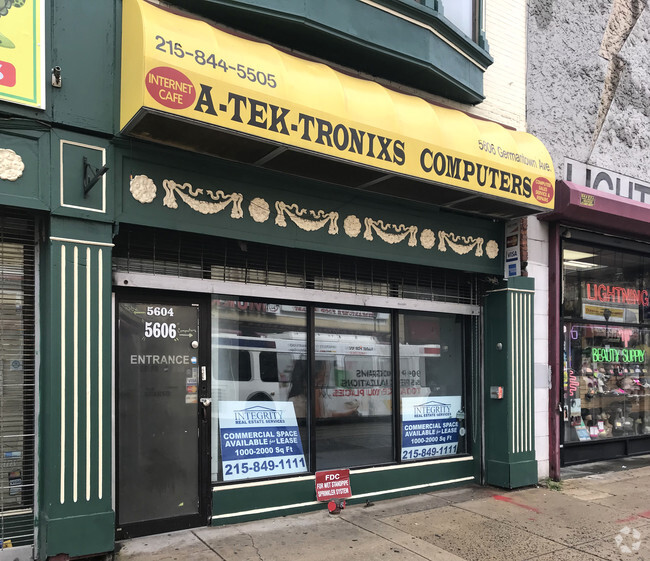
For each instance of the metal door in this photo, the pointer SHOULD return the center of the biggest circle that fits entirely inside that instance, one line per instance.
(162, 415)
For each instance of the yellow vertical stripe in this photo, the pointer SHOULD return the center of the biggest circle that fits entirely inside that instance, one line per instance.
(100, 372)
(88, 369)
(75, 374)
(63, 373)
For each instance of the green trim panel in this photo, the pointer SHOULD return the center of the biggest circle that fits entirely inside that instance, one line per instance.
(77, 536)
(241, 503)
(27, 185)
(509, 422)
(84, 46)
(75, 387)
(68, 197)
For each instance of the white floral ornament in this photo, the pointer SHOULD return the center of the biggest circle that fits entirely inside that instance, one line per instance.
(259, 209)
(352, 226)
(427, 238)
(143, 189)
(492, 249)
(11, 165)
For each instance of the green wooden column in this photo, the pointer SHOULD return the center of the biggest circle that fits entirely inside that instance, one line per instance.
(75, 514)
(509, 422)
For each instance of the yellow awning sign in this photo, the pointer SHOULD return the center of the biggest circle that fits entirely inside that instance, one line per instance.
(22, 53)
(177, 65)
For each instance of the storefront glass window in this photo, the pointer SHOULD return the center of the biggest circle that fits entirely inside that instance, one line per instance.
(606, 389)
(288, 398)
(259, 381)
(606, 384)
(431, 359)
(605, 285)
(353, 385)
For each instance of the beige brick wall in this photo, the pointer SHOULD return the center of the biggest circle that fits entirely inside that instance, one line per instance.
(505, 80)
(504, 83)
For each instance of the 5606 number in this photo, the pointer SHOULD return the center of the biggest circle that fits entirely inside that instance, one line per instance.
(158, 330)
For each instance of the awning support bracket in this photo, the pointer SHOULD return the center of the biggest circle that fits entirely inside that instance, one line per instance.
(92, 175)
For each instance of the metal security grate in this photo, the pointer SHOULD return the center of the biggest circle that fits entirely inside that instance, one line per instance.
(17, 378)
(156, 252)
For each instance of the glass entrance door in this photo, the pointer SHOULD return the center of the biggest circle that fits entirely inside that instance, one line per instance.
(162, 413)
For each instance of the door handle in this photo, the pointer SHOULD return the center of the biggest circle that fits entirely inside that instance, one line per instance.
(206, 402)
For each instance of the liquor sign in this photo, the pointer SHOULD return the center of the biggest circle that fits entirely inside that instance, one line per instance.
(606, 181)
(22, 48)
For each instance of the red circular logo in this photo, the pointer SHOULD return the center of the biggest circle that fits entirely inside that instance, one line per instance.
(170, 88)
(543, 190)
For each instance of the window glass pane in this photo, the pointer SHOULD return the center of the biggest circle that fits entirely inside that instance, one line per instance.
(259, 410)
(604, 284)
(431, 354)
(606, 390)
(353, 385)
(461, 14)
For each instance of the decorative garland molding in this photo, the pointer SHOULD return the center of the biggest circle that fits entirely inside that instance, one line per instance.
(144, 190)
(400, 232)
(204, 207)
(297, 215)
(467, 243)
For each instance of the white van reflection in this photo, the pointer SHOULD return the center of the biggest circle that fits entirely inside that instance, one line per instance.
(351, 368)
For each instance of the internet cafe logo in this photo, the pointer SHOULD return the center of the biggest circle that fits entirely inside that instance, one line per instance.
(258, 415)
(628, 540)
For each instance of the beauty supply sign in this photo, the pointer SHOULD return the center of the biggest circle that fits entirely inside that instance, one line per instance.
(430, 426)
(259, 439)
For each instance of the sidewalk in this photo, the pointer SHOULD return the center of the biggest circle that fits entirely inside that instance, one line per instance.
(604, 515)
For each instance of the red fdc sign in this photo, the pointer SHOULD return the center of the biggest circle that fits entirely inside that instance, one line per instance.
(333, 484)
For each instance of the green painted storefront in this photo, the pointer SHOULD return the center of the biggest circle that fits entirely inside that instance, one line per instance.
(86, 264)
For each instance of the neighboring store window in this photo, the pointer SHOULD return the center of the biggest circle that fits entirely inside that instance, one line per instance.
(606, 385)
(431, 380)
(606, 390)
(17, 378)
(279, 410)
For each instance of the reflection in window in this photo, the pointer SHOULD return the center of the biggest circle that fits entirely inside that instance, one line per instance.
(341, 396)
(431, 355)
(257, 350)
(461, 14)
(353, 385)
